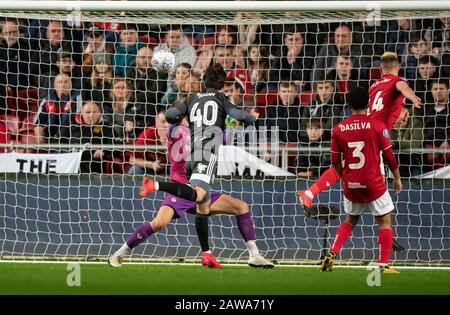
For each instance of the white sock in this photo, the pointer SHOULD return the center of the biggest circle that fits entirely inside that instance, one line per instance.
(123, 251)
(156, 185)
(252, 248)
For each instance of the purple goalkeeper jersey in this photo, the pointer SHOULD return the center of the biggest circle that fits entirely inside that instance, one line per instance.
(178, 147)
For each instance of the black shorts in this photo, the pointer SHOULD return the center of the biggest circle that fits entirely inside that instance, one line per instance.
(203, 171)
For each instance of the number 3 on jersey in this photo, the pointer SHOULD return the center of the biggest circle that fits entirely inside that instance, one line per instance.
(357, 153)
(209, 109)
(377, 102)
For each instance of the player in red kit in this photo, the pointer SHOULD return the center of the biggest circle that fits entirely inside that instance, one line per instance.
(387, 98)
(357, 141)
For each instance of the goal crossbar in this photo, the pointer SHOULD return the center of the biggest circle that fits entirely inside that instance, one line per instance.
(260, 6)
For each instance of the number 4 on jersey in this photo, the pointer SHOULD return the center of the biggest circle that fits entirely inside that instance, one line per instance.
(377, 102)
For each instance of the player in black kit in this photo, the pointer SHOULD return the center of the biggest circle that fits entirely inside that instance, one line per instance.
(206, 114)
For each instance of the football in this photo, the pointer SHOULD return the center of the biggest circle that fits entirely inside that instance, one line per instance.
(163, 61)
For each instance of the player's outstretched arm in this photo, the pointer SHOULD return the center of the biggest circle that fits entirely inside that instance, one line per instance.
(407, 92)
(241, 115)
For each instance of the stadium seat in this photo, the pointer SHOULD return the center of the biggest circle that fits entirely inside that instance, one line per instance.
(306, 98)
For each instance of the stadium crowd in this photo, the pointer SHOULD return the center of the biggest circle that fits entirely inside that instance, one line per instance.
(93, 83)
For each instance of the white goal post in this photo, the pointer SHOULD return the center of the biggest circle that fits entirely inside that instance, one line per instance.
(87, 216)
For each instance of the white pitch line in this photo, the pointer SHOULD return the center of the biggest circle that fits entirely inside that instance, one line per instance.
(224, 265)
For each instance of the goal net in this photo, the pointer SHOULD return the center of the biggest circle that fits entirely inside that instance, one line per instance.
(82, 121)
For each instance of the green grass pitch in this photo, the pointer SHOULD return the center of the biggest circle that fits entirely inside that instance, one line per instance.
(40, 278)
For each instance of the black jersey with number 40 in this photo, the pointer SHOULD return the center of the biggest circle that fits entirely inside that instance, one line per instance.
(206, 113)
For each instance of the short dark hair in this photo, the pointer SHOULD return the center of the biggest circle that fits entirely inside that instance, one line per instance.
(428, 59)
(441, 81)
(315, 122)
(235, 83)
(129, 26)
(214, 77)
(287, 84)
(325, 78)
(174, 27)
(358, 98)
(230, 47)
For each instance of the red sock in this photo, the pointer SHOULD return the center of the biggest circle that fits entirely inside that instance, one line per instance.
(342, 234)
(328, 178)
(385, 242)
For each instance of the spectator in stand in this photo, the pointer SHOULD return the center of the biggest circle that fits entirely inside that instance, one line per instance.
(151, 161)
(224, 55)
(248, 34)
(371, 35)
(14, 58)
(407, 134)
(177, 43)
(224, 36)
(125, 117)
(98, 86)
(327, 106)
(88, 127)
(439, 35)
(437, 124)
(191, 85)
(427, 72)
(295, 62)
(198, 32)
(149, 85)
(258, 67)
(341, 46)
(418, 47)
(346, 76)
(311, 164)
(399, 36)
(61, 99)
(47, 50)
(65, 64)
(96, 44)
(285, 114)
(182, 73)
(126, 49)
(234, 89)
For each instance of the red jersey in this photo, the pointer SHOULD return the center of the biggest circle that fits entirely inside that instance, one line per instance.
(149, 136)
(386, 102)
(360, 139)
